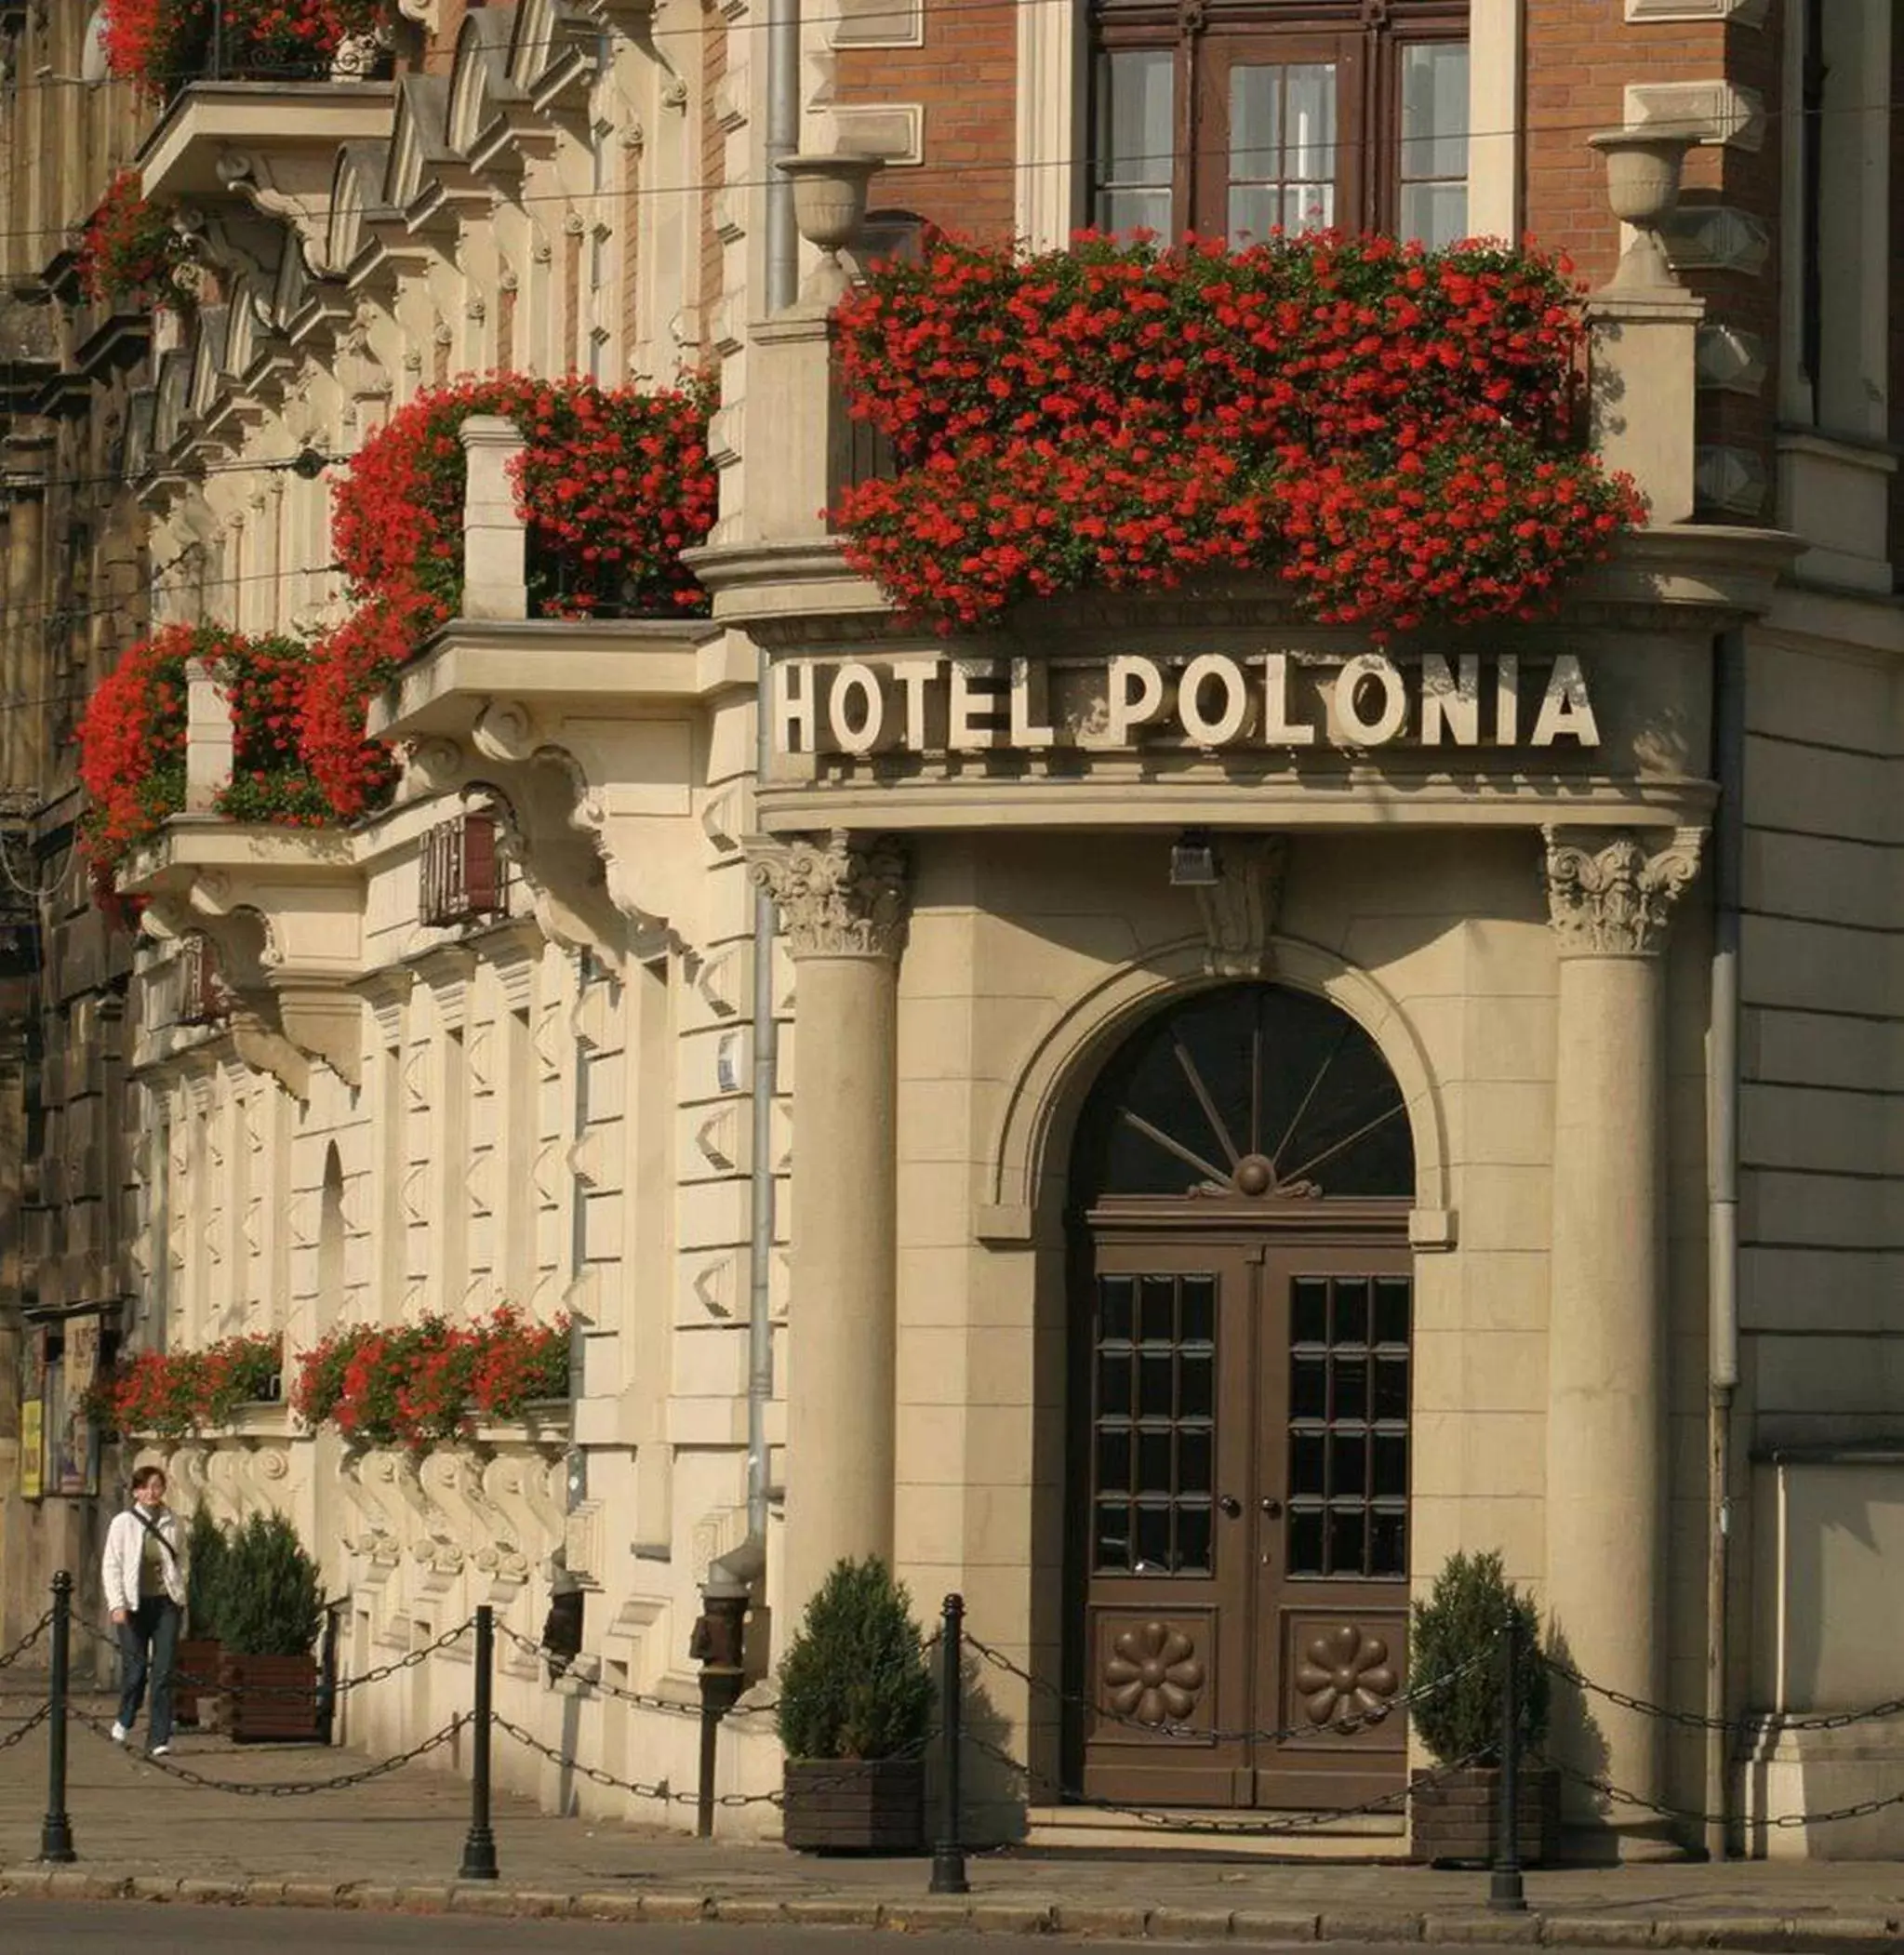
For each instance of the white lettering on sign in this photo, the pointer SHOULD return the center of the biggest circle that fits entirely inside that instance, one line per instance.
(1212, 701)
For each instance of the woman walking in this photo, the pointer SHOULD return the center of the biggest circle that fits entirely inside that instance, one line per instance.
(145, 1591)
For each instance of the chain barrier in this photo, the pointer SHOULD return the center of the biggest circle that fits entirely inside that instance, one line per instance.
(290, 1788)
(646, 1700)
(27, 1729)
(1778, 1822)
(659, 1790)
(1176, 1823)
(1355, 1721)
(304, 1690)
(1738, 1727)
(26, 1642)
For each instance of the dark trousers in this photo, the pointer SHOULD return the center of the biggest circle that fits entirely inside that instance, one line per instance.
(148, 1639)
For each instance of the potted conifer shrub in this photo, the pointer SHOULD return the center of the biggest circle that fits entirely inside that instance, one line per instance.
(195, 1667)
(1457, 1634)
(855, 1706)
(270, 1614)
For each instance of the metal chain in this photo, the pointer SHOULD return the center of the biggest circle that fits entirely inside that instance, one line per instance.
(595, 1775)
(1781, 1821)
(306, 1691)
(293, 1789)
(26, 1642)
(1358, 1720)
(1173, 1822)
(1694, 1720)
(38, 1718)
(646, 1700)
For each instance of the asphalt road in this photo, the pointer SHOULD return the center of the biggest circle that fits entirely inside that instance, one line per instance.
(75, 1927)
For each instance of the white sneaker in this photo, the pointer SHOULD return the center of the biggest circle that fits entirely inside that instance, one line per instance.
(158, 1750)
(120, 1734)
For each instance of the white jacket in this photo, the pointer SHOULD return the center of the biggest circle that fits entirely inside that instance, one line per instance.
(126, 1544)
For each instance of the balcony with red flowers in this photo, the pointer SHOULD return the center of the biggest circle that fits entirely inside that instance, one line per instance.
(1317, 514)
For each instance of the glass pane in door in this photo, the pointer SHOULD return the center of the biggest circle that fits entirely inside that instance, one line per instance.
(1153, 1424)
(1434, 142)
(1349, 1338)
(1282, 148)
(1136, 139)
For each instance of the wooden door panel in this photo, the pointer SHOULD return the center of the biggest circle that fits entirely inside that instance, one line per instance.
(1168, 1382)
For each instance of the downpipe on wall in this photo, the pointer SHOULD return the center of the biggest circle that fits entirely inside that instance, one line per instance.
(578, 1462)
(1722, 1204)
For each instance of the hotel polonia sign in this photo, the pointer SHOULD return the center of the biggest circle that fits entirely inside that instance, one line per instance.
(1215, 702)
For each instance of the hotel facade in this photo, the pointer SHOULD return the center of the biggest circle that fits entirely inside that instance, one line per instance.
(1168, 1119)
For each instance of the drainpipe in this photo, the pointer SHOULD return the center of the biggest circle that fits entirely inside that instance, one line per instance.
(783, 290)
(579, 1238)
(1722, 1199)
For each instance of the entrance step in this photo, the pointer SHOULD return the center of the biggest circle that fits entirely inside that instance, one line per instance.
(1078, 1828)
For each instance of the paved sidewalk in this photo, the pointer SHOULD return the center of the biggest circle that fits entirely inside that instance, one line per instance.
(396, 1842)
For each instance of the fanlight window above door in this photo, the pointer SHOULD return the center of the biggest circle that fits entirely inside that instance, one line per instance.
(1253, 1092)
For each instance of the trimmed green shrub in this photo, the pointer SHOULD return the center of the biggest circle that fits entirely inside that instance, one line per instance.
(271, 1602)
(855, 1684)
(1471, 1605)
(208, 1565)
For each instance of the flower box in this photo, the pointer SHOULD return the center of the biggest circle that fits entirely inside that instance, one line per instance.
(269, 1699)
(860, 1805)
(1454, 1818)
(194, 1678)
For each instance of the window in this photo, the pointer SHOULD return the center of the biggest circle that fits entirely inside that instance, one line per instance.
(1234, 118)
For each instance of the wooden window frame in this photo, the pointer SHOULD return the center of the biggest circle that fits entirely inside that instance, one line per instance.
(1363, 37)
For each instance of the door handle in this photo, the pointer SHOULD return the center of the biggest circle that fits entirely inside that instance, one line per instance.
(1273, 1508)
(1231, 1505)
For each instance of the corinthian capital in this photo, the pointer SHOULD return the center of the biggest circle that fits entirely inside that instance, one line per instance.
(841, 896)
(1610, 891)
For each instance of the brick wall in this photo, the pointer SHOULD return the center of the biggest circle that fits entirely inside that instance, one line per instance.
(965, 77)
(1581, 55)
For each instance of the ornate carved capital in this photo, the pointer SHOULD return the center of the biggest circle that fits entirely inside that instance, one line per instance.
(842, 897)
(1610, 892)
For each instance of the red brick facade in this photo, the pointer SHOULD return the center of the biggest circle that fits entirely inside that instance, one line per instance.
(965, 78)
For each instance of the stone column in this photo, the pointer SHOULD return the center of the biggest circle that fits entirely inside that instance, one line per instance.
(844, 904)
(1609, 895)
(1609, 898)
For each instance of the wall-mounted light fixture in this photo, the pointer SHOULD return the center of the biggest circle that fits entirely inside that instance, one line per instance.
(1193, 861)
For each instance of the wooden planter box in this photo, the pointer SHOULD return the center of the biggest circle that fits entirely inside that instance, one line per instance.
(194, 1677)
(270, 1698)
(1455, 1820)
(855, 1805)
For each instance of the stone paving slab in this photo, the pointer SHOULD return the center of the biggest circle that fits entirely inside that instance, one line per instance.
(396, 1843)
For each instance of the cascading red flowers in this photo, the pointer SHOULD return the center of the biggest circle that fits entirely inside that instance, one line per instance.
(164, 44)
(131, 250)
(419, 1383)
(613, 484)
(1386, 429)
(175, 1392)
(132, 737)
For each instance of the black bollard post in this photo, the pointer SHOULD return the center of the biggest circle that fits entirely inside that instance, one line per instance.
(327, 1674)
(56, 1829)
(479, 1848)
(949, 1853)
(1507, 1891)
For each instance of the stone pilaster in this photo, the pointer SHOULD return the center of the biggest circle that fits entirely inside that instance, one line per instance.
(1610, 897)
(844, 902)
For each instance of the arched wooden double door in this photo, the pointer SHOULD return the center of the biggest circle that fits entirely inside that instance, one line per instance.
(1239, 1465)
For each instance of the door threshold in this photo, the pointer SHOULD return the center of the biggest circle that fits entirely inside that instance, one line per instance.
(1081, 1828)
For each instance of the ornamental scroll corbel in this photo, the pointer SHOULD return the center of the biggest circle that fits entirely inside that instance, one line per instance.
(844, 896)
(1610, 893)
(1240, 906)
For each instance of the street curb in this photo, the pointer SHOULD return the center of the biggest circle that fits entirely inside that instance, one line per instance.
(1754, 1933)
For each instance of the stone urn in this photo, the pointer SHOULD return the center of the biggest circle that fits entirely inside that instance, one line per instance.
(829, 206)
(1643, 177)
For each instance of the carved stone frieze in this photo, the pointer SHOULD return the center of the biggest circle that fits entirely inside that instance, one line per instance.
(1610, 892)
(844, 895)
